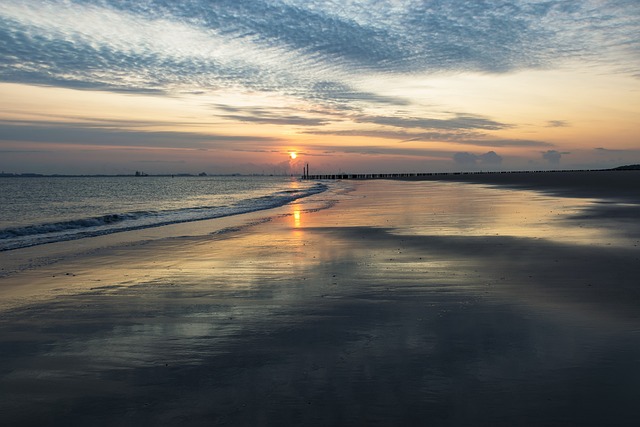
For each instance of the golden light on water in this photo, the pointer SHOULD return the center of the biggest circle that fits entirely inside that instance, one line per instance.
(296, 218)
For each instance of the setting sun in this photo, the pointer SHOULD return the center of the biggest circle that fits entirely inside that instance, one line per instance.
(293, 155)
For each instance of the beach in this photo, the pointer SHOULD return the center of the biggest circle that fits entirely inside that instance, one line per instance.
(484, 300)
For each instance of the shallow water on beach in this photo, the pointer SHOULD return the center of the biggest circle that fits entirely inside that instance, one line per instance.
(398, 306)
(458, 209)
(40, 210)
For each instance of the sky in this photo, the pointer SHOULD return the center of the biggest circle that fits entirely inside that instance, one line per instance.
(235, 86)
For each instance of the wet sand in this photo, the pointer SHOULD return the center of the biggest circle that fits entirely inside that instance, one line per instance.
(610, 184)
(406, 303)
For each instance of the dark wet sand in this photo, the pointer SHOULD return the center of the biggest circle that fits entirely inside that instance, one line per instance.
(619, 185)
(407, 303)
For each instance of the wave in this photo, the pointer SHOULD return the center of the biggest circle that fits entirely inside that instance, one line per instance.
(37, 234)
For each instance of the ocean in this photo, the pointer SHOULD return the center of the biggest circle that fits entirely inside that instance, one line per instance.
(38, 210)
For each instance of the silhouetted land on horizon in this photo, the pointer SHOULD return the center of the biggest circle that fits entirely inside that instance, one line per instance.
(420, 175)
(133, 175)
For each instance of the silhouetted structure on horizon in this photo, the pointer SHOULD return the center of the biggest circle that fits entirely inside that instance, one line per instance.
(419, 175)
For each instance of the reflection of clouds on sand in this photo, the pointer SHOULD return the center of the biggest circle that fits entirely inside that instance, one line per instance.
(363, 326)
(392, 308)
(454, 209)
(296, 217)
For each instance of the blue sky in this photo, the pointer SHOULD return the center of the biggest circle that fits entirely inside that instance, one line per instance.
(225, 86)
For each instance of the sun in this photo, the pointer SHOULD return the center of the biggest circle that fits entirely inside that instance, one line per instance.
(293, 155)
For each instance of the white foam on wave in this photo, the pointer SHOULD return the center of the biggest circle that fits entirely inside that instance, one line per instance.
(36, 234)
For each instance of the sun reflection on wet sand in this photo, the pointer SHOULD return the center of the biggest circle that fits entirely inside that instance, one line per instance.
(400, 305)
(296, 217)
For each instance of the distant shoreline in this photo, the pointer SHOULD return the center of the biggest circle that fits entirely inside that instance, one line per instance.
(621, 183)
(164, 175)
(401, 175)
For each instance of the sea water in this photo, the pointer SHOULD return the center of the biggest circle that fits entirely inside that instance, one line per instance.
(38, 210)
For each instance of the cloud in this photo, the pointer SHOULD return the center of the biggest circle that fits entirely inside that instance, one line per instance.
(161, 161)
(399, 135)
(155, 47)
(276, 120)
(464, 158)
(557, 123)
(377, 150)
(601, 150)
(553, 156)
(310, 49)
(343, 93)
(83, 134)
(460, 137)
(23, 151)
(458, 128)
(96, 122)
(272, 115)
(459, 122)
(627, 155)
(507, 143)
(490, 158)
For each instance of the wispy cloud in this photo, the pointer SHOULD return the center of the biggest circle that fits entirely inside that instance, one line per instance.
(508, 143)
(459, 122)
(558, 124)
(601, 150)
(271, 115)
(83, 134)
(62, 120)
(454, 136)
(459, 128)
(399, 135)
(373, 150)
(629, 154)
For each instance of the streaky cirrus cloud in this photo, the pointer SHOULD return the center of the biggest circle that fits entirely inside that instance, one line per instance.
(557, 123)
(82, 133)
(460, 121)
(272, 116)
(453, 135)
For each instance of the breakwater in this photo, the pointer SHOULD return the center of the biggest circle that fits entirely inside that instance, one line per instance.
(420, 175)
(368, 175)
